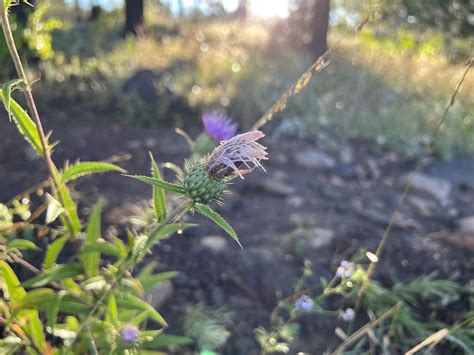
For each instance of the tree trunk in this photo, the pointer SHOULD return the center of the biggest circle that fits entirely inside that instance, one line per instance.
(241, 12)
(320, 25)
(133, 16)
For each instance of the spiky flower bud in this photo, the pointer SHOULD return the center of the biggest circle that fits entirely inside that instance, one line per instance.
(206, 179)
(200, 187)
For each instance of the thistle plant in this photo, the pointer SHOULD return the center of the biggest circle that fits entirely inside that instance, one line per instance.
(217, 128)
(95, 302)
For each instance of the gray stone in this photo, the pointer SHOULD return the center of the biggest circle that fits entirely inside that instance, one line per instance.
(466, 224)
(437, 188)
(320, 237)
(314, 159)
(160, 293)
(134, 144)
(295, 201)
(277, 187)
(214, 243)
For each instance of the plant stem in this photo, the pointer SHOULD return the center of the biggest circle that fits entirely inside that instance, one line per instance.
(125, 265)
(53, 171)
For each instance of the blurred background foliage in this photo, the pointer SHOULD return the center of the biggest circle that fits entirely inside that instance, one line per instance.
(155, 61)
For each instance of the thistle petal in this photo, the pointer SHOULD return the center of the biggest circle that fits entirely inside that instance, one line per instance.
(237, 156)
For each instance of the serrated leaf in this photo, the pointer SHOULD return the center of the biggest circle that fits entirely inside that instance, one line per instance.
(25, 125)
(129, 301)
(6, 94)
(55, 209)
(218, 220)
(160, 183)
(159, 199)
(22, 244)
(53, 251)
(87, 168)
(90, 260)
(54, 274)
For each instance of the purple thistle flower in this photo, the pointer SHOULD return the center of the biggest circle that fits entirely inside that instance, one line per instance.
(129, 333)
(345, 269)
(218, 126)
(237, 156)
(347, 315)
(304, 304)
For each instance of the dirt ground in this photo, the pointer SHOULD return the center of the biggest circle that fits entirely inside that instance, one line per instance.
(339, 201)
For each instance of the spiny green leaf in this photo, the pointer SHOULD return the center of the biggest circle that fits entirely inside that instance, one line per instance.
(53, 251)
(90, 260)
(217, 219)
(25, 124)
(157, 182)
(21, 244)
(159, 199)
(6, 92)
(87, 168)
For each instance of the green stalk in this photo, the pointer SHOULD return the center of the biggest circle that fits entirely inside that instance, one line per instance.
(127, 265)
(53, 171)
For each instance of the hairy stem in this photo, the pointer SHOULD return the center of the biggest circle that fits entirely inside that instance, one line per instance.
(53, 171)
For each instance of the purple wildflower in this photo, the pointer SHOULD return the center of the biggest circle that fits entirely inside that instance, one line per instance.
(345, 269)
(237, 156)
(304, 304)
(129, 333)
(218, 126)
(347, 315)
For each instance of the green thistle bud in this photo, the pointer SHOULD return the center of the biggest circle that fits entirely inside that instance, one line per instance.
(200, 187)
(203, 145)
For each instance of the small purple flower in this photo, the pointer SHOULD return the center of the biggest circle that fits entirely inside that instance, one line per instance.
(345, 269)
(304, 304)
(218, 126)
(237, 156)
(347, 315)
(129, 333)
